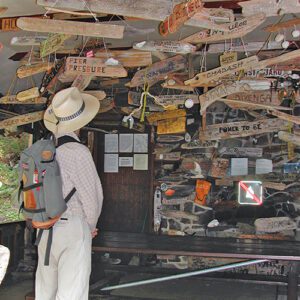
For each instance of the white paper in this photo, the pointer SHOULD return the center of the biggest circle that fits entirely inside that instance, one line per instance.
(140, 143)
(125, 161)
(239, 166)
(111, 143)
(111, 163)
(140, 162)
(126, 142)
(263, 166)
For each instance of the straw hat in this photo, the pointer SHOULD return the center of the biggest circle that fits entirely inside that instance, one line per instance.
(70, 110)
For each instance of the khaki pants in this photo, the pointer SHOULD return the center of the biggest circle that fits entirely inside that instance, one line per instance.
(67, 276)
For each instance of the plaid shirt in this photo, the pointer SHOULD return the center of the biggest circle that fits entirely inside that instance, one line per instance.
(78, 170)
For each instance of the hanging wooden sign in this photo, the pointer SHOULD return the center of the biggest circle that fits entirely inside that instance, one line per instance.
(100, 95)
(171, 126)
(106, 104)
(165, 46)
(282, 25)
(266, 72)
(93, 67)
(12, 99)
(158, 71)
(28, 94)
(221, 91)
(180, 14)
(169, 138)
(52, 44)
(130, 58)
(241, 151)
(283, 116)
(172, 156)
(157, 10)
(30, 70)
(219, 167)
(71, 27)
(259, 97)
(241, 129)
(236, 29)
(51, 77)
(186, 88)
(289, 137)
(227, 58)
(82, 82)
(270, 7)
(22, 119)
(217, 73)
(27, 40)
(8, 24)
(169, 114)
(198, 144)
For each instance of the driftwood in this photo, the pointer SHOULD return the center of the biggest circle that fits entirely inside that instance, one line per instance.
(235, 29)
(71, 27)
(241, 151)
(237, 104)
(289, 137)
(100, 95)
(52, 43)
(13, 100)
(157, 71)
(242, 129)
(29, 70)
(282, 25)
(28, 94)
(22, 119)
(286, 117)
(82, 82)
(178, 87)
(171, 126)
(27, 40)
(169, 114)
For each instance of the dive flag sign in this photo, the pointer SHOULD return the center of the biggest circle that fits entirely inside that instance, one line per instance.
(250, 193)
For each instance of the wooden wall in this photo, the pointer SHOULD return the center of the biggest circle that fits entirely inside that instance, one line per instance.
(128, 194)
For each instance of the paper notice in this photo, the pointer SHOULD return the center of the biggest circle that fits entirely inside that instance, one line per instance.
(111, 163)
(140, 162)
(111, 143)
(140, 143)
(239, 166)
(263, 166)
(126, 142)
(125, 161)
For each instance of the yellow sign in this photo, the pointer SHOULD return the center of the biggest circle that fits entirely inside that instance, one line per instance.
(176, 125)
(227, 58)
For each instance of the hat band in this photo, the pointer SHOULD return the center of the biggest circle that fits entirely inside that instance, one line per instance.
(73, 116)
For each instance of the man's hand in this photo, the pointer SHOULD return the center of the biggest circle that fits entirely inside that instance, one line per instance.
(94, 232)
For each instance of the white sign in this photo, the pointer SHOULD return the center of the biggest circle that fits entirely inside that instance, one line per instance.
(125, 161)
(239, 166)
(126, 142)
(140, 143)
(140, 162)
(263, 166)
(111, 163)
(111, 143)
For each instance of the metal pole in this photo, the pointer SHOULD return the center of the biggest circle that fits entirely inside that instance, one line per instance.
(178, 276)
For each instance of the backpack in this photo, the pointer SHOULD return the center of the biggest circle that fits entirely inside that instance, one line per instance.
(40, 191)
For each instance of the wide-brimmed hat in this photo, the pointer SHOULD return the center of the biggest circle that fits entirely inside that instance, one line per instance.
(70, 110)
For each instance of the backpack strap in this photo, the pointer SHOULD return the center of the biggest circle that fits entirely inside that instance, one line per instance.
(66, 139)
(49, 243)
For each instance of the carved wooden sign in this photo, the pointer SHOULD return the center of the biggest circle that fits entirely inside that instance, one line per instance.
(157, 71)
(217, 73)
(22, 119)
(266, 72)
(169, 114)
(220, 91)
(82, 81)
(241, 151)
(71, 27)
(93, 67)
(181, 13)
(165, 46)
(227, 58)
(236, 29)
(12, 99)
(28, 94)
(241, 129)
(29, 70)
(173, 126)
(27, 40)
(270, 7)
(130, 58)
(52, 44)
(256, 97)
(8, 24)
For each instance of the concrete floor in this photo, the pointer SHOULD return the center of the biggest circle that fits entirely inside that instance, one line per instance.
(183, 289)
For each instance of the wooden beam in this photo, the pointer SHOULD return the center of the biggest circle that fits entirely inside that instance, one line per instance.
(29, 70)
(12, 99)
(22, 119)
(71, 27)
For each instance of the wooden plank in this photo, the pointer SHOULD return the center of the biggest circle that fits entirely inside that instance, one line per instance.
(236, 29)
(157, 71)
(181, 13)
(178, 87)
(241, 129)
(82, 81)
(27, 40)
(13, 100)
(30, 70)
(100, 95)
(220, 91)
(71, 27)
(270, 7)
(286, 117)
(52, 43)
(93, 67)
(22, 119)
(157, 10)
(289, 137)
(165, 46)
(217, 73)
(28, 94)
(170, 114)
(237, 104)
(171, 126)
(130, 58)
(241, 151)
(282, 25)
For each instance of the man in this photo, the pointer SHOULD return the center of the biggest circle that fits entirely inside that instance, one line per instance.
(67, 276)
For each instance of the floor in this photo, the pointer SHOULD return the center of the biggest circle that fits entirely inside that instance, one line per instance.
(183, 289)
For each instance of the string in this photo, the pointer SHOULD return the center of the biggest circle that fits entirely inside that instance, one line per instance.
(49, 8)
(244, 47)
(93, 14)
